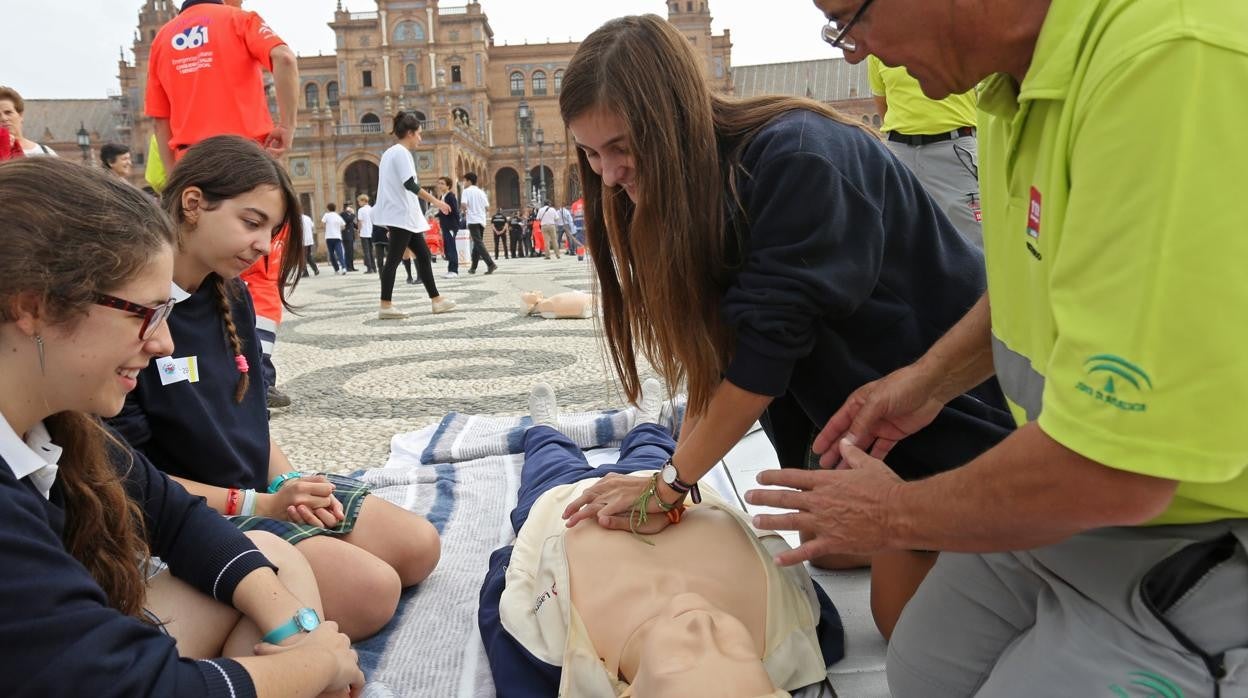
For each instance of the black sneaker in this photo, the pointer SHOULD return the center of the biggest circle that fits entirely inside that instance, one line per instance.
(277, 398)
(491, 270)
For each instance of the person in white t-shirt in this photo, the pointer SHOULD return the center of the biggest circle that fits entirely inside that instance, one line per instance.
(309, 245)
(549, 218)
(364, 220)
(476, 206)
(333, 238)
(398, 210)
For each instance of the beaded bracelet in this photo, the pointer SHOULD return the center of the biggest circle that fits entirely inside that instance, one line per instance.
(280, 480)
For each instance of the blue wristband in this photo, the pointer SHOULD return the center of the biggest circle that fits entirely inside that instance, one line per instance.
(281, 480)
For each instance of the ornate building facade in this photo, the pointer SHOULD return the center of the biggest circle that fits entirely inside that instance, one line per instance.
(487, 108)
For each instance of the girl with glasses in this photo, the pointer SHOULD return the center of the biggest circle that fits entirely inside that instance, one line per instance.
(799, 262)
(200, 414)
(86, 518)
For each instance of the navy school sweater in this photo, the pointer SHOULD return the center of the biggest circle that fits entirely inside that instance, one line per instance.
(196, 430)
(849, 271)
(59, 634)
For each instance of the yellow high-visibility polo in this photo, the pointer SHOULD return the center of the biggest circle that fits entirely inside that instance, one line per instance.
(1116, 239)
(910, 111)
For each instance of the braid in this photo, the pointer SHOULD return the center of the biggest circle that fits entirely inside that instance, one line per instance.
(231, 334)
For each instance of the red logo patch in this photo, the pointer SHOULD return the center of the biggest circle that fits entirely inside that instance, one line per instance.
(1033, 214)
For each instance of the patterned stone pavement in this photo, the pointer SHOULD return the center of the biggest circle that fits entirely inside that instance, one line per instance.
(355, 381)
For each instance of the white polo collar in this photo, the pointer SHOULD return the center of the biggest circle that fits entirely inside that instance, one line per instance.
(36, 457)
(177, 293)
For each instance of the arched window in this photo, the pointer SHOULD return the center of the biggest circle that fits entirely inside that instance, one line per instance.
(539, 82)
(517, 84)
(462, 116)
(370, 123)
(875, 120)
(558, 81)
(409, 76)
(409, 32)
(312, 96)
(331, 93)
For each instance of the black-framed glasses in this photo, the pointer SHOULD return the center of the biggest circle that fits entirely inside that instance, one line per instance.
(837, 34)
(153, 318)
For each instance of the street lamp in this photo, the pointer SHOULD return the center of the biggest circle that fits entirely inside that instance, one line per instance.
(541, 167)
(84, 142)
(524, 118)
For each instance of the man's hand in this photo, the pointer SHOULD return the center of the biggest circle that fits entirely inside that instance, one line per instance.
(279, 141)
(879, 414)
(443, 207)
(842, 511)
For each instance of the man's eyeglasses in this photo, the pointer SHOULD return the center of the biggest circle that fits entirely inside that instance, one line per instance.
(837, 34)
(153, 318)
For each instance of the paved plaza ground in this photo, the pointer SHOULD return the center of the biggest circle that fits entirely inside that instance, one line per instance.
(355, 381)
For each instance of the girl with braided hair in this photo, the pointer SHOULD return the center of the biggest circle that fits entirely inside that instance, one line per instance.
(200, 414)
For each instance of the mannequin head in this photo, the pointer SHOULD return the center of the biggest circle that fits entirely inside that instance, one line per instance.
(571, 304)
(693, 648)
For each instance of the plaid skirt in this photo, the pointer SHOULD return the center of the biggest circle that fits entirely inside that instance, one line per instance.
(349, 491)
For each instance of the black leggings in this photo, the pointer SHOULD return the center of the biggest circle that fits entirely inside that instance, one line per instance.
(399, 239)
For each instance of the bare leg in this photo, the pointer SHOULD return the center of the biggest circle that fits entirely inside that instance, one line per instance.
(895, 576)
(360, 591)
(405, 541)
(204, 627)
(295, 574)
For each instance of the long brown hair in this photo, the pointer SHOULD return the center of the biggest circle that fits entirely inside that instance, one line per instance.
(58, 219)
(224, 167)
(663, 264)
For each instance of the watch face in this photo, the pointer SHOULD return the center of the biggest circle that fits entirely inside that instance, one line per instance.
(307, 619)
(669, 474)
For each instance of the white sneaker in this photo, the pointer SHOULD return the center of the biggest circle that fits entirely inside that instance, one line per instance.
(443, 306)
(391, 313)
(651, 403)
(450, 275)
(543, 407)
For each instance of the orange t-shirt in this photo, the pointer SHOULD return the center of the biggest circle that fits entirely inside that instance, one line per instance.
(204, 75)
(264, 277)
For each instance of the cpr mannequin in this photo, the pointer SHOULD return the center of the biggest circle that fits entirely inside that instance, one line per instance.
(570, 304)
(697, 608)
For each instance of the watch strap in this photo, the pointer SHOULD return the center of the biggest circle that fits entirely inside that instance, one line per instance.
(281, 632)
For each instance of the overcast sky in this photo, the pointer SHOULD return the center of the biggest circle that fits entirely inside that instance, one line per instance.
(69, 48)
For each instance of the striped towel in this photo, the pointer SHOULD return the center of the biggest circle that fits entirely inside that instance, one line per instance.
(463, 437)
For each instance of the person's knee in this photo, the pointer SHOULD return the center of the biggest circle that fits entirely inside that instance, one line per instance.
(374, 597)
(282, 554)
(423, 554)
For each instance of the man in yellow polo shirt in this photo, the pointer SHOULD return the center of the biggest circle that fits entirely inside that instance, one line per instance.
(1099, 550)
(935, 138)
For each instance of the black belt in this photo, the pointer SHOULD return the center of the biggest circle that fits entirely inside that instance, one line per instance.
(931, 138)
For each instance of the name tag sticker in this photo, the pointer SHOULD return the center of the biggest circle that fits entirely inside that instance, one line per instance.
(177, 370)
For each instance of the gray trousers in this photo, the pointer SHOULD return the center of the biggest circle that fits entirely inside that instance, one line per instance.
(949, 171)
(1117, 612)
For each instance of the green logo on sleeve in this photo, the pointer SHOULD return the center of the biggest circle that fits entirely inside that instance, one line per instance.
(1116, 382)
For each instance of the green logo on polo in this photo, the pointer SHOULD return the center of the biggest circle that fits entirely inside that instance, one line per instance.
(1118, 382)
(1147, 685)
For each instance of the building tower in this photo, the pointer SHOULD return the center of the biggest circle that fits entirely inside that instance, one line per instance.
(132, 79)
(693, 19)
